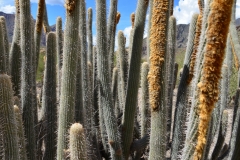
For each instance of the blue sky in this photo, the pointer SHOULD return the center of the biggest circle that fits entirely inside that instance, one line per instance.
(183, 10)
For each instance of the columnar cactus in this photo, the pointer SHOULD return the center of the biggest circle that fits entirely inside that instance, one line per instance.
(111, 30)
(37, 33)
(68, 90)
(83, 42)
(49, 99)
(145, 113)
(15, 53)
(220, 15)
(59, 41)
(89, 33)
(105, 97)
(26, 76)
(170, 58)
(158, 50)
(5, 41)
(2, 54)
(133, 77)
(8, 122)
(77, 143)
(46, 26)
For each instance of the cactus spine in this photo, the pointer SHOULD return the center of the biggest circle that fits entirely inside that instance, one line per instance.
(69, 70)
(133, 76)
(8, 122)
(77, 142)
(49, 99)
(213, 59)
(105, 97)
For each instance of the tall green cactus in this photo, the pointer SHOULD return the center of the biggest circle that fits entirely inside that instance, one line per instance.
(145, 112)
(2, 54)
(59, 41)
(26, 76)
(180, 117)
(49, 99)
(89, 32)
(105, 97)
(8, 122)
(83, 42)
(156, 78)
(77, 142)
(170, 58)
(133, 77)
(5, 41)
(15, 53)
(111, 30)
(68, 83)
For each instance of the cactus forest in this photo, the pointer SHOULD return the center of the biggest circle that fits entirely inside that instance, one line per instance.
(102, 102)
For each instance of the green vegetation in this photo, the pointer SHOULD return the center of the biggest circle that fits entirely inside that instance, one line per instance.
(41, 63)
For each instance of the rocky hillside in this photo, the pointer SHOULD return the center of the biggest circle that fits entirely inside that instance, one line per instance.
(10, 27)
(182, 32)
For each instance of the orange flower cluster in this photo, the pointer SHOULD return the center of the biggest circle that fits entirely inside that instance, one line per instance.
(218, 25)
(158, 38)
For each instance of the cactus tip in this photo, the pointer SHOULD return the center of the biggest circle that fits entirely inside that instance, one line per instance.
(76, 128)
(70, 6)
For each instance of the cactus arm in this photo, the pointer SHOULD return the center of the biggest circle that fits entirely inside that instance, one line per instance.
(69, 70)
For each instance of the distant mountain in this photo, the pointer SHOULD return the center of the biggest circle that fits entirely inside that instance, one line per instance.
(10, 27)
(182, 32)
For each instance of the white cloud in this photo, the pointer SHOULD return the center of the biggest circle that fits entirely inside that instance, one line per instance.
(238, 9)
(184, 11)
(127, 32)
(51, 2)
(186, 8)
(7, 9)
